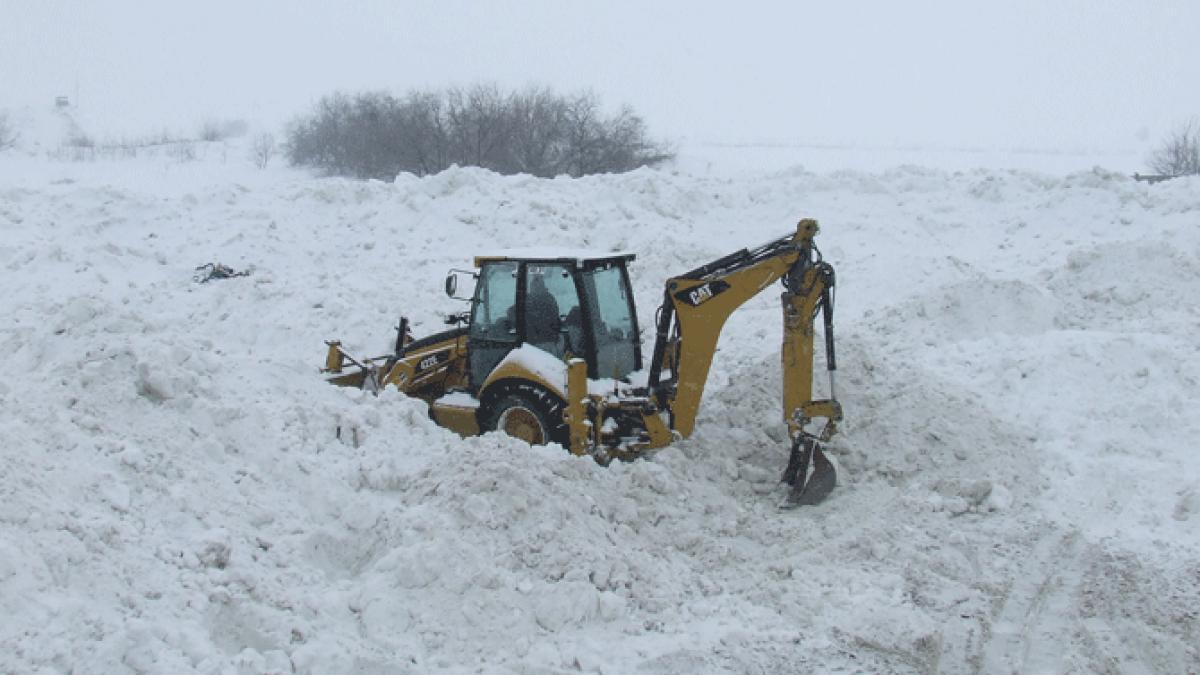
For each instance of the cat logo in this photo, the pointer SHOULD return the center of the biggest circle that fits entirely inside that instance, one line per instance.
(702, 293)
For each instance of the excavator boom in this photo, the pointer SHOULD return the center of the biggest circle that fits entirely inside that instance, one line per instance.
(695, 308)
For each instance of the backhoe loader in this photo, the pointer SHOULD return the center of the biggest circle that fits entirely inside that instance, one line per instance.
(549, 352)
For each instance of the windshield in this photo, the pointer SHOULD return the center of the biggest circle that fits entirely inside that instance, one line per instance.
(612, 321)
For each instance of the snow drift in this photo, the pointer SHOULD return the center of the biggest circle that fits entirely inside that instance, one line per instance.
(1019, 486)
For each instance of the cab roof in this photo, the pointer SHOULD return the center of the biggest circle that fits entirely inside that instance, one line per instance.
(576, 257)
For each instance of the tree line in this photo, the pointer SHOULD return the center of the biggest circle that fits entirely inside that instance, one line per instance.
(534, 131)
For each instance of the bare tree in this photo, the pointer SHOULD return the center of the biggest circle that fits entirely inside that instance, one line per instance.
(263, 149)
(538, 121)
(626, 145)
(426, 138)
(8, 135)
(319, 140)
(479, 126)
(581, 135)
(1179, 153)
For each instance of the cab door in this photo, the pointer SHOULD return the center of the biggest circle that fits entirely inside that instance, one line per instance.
(493, 333)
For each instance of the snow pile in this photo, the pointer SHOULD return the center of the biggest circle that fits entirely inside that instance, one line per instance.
(1019, 491)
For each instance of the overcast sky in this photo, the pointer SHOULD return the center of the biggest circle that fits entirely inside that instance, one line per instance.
(1019, 73)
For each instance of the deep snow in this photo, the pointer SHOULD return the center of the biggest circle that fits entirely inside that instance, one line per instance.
(1019, 370)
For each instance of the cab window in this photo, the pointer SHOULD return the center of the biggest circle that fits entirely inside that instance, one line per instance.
(612, 321)
(496, 302)
(493, 327)
(552, 317)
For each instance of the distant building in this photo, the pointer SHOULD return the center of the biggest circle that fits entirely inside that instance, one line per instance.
(62, 102)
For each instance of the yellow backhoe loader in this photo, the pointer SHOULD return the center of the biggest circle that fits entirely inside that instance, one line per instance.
(549, 352)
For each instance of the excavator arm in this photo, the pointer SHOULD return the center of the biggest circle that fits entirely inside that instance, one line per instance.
(695, 308)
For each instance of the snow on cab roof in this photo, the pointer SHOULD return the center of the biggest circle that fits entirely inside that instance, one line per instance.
(548, 253)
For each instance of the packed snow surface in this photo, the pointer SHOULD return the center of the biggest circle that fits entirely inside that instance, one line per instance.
(1019, 366)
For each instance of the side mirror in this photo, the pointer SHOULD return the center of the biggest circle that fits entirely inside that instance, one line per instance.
(452, 284)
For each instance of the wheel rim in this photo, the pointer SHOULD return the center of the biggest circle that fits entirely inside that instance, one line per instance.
(522, 423)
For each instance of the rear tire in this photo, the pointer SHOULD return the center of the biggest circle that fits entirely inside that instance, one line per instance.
(531, 414)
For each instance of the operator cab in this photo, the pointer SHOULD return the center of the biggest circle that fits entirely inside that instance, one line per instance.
(564, 303)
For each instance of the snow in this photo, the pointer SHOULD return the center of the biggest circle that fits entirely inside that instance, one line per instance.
(538, 362)
(1018, 480)
(459, 399)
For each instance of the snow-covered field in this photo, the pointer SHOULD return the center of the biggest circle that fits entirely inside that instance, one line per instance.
(1019, 365)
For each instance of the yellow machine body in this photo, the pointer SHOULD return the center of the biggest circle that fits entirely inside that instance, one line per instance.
(556, 392)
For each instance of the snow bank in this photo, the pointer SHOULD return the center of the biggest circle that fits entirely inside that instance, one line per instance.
(1019, 371)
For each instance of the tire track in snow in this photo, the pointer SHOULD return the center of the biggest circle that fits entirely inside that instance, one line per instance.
(1036, 625)
(1110, 650)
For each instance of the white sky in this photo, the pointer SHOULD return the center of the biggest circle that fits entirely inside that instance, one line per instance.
(1016, 74)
